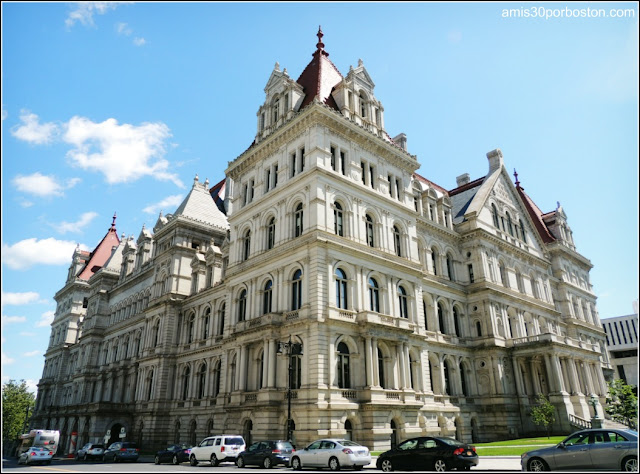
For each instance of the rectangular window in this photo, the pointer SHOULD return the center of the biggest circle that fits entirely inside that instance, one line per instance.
(415, 203)
(267, 179)
(390, 185)
(372, 174)
(244, 194)
(302, 160)
(333, 159)
(275, 175)
(293, 164)
(364, 174)
(251, 191)
(471, 278)
(343, 163)
(398, 195)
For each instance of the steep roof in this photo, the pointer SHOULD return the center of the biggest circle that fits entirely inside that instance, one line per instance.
(320, 77)
(200, 206)
(101, 253)
(217, 193)
(536, 215)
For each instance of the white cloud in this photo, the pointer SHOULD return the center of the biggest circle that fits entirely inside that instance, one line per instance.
(43, 185)
(12, 320)
(167, 203)
(123, 153)
(85, 219)
(20, 298)
(85, 10)
(29, 252)
(32, 386)
(5, 114)
(32, 130)
(46, 319)
(139, 41)
(6, 360)
(27, 334)
(123, 29)
(32, 353)
(25, 204)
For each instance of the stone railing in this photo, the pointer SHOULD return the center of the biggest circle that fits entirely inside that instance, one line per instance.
(578, 422)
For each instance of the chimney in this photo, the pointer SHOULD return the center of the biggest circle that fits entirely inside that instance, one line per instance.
(463, 179)
(401, 140)
(495, 160)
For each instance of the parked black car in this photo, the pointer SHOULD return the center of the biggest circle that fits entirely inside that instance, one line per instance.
(266, 454)
(428, 454)
(176, 453)
(121, 451)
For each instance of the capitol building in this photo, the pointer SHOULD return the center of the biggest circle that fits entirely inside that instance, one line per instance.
(325, 287)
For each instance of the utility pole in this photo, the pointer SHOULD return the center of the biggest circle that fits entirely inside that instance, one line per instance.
(290, 349)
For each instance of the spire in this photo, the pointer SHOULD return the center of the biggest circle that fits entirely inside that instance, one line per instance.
(113, 223)
(320, 44)
(515, 173)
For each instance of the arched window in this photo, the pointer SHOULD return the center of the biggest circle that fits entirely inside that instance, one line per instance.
(494, 214)
(216, 379)
(271, 233)
(202, 374)
(369, 224)
(297, 231)
(402, 301)
(190, 327)
(374, 295)
(396, 241)
(463, 380)
(341, 289)
(381, 378)
(363, 105)
(192, 432)
(424, 311)
(519, 281)
(479, 328)
(509, 224)
(450, 273)
(434, 260)
(456, 321)
(447, 386)
(441, 318)
(296, 372)
(276, 110)
(221, 314)
(156, 333)
(242, 306)
(503, 275)
(205, 323)
(267, 297)
(186, 375)
(296, 291)
(338, 226)
(343, 366)
(247, 245)
(522, 232)
(150, 385)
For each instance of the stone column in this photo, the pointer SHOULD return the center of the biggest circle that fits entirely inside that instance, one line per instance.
(402, 383)
(407, 366)
(271, 377)
(589, 380)
(517, 375)
(492, 376)
(376, 362)
(557, 373)
(331, 357)
(242, 370)
(265, 364)
(603, 385)
(551, 379)
(535, 382)
(575, 385)
(368, 361)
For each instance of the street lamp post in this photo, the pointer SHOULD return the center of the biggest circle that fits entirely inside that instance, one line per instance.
(596, 422)
(290, 349)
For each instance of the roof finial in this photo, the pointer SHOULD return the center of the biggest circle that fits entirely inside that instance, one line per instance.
(113, 223)
(515, 173)
(320, 44)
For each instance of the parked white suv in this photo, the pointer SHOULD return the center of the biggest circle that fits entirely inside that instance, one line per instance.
(217, 449)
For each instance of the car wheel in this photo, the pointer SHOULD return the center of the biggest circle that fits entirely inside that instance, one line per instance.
(156, 460)
(334, 465)
(630, 464)
(175, 459)
(214, 460)
(440, 465)
(537, 465)
(266, 463)
(386, 465)
(193, 461)
(104, 459)
(240, 461)
(296, 464)
(84, 458)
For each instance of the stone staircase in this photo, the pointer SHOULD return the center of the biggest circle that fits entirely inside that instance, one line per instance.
(616, 425)
(581, 424)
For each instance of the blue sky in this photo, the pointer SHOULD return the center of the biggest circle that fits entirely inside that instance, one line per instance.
(115, 107)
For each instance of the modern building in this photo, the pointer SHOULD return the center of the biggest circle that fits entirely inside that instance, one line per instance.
(418, 309)
(622, 344)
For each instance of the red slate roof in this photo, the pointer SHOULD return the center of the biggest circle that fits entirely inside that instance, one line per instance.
(536, 216)
(431, 183)
(319, 77)
(101, 253)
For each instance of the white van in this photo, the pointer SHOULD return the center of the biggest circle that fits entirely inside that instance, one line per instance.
(217, 449)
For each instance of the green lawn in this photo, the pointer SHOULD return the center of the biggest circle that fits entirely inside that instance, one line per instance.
(511, 447)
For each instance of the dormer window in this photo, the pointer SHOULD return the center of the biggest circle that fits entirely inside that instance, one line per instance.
(276, 110)
(363, 105)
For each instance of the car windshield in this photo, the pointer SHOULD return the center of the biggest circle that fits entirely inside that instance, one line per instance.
(451, 441)
(234, 441)
(409, 444)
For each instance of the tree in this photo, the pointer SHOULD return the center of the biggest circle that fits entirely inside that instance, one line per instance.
(622, 403)
(16, 399)
(544, 413)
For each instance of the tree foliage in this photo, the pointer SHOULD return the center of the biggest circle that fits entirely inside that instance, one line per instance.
(544, 413)
(16, 398)
(622, 403)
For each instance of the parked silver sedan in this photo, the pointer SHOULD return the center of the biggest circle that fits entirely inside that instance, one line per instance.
(36, 454)
(331, 453)
(600, 449)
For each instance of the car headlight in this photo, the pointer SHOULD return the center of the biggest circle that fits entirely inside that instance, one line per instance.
(524, 455)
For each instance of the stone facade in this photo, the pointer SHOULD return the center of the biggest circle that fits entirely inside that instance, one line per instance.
(419, 309)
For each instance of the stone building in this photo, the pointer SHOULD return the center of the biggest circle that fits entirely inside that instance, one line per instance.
(418, 309)
(622, 345)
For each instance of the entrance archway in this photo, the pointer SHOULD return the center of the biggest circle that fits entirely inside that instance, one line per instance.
(115, 434)
(248, 426)
(394, 434)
